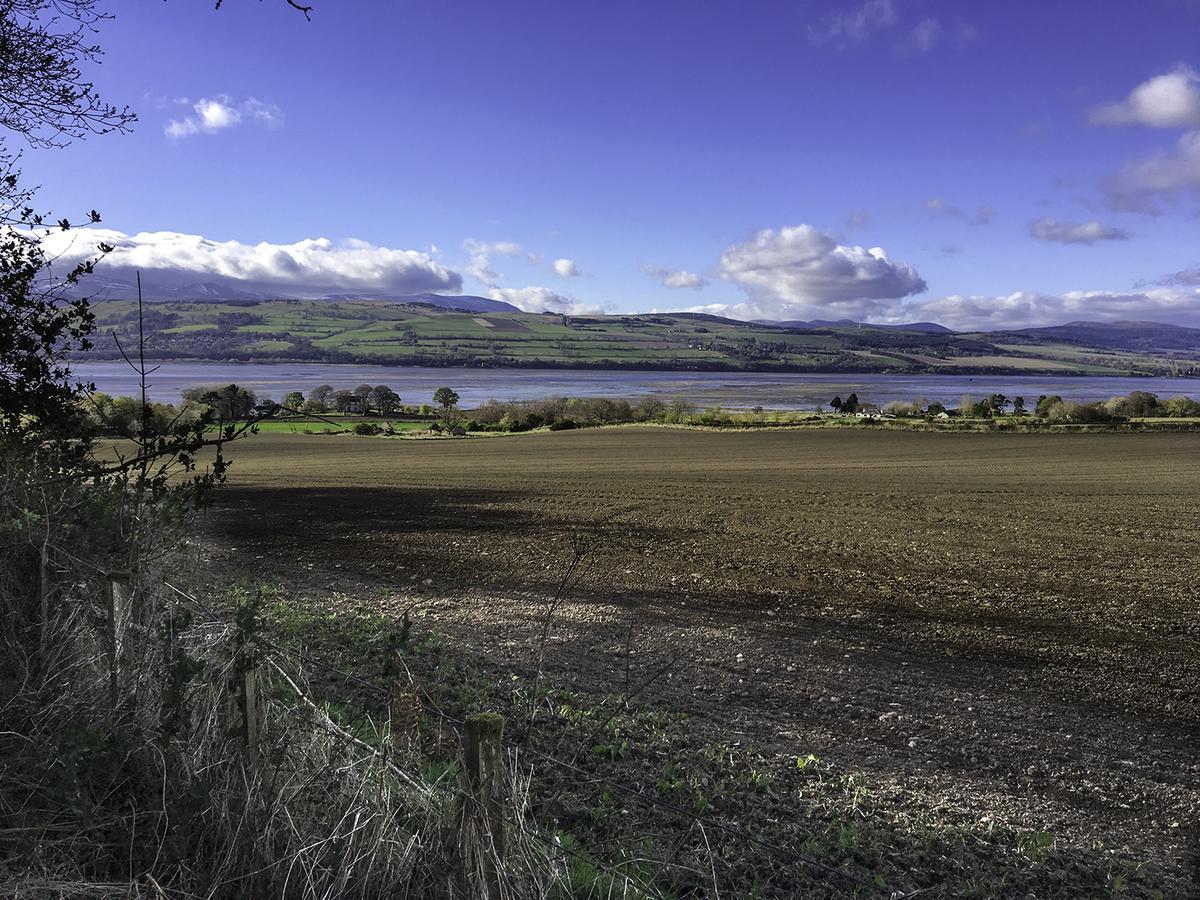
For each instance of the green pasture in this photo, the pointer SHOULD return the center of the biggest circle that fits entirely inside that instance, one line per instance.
(350, 331)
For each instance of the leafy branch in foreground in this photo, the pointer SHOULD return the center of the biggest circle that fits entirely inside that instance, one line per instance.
(38, 328)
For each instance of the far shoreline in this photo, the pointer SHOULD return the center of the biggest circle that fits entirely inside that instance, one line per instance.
(732, 390)
(583, 366)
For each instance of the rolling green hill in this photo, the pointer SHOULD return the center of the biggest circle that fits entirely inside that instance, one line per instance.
(420, 334)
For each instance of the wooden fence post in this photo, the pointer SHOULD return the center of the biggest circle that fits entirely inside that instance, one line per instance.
(483, 813)
(44, 600)
(251, 710)
(116, 595)
(404, 713)
(247, 674)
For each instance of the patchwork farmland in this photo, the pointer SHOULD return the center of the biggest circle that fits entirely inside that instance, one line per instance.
(422, 334)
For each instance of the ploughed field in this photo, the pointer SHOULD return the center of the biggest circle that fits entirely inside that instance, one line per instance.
(992, 629)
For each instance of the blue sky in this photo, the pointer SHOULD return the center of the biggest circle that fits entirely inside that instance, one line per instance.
(978, 164)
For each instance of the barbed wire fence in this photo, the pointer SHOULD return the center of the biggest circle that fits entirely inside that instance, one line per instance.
(515, 751)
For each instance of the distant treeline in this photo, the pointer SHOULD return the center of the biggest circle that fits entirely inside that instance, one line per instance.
(558, 413)
(105, 414)
(1053, 408)
(574, 412)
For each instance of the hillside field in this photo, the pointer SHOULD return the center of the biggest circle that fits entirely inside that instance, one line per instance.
(421, 334)
(988, 641)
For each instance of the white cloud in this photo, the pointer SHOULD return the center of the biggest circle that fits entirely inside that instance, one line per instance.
(924, 36)
(566, 268)
(212, 114)
(1140, 185)
(1021, 309)
(844, 29)
(939, 207)
(675, 278)
(1029, 309)
(800, 273)
(540, 299)
(984, 216)
(1165, 101)
(862, 22)
(1047, 229)
(170, 261)
(481, 252)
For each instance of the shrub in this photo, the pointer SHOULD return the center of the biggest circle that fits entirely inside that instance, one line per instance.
(524, 415)
(1070, 412)
(1180, 407)
(1045, 404)
(563, 425)
(714, 415)
(1135, 403)
(367, 429)
(676, 411)
(648, 409)
(973, 409)
(510, 423)
(902, 408)
(123, 416)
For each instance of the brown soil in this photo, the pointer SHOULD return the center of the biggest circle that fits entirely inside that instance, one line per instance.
(991, 628)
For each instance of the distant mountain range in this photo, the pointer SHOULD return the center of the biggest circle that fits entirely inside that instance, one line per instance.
(465, 302)
(1120, 335)
(214, 292)
(927, 327)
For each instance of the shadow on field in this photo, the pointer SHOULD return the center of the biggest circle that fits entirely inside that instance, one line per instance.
(402, 509)
(461, 538)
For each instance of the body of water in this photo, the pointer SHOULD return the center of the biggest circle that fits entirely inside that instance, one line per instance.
(416, 385)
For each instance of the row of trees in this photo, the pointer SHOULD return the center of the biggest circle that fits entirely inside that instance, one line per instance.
(127, 416)
(103, 413)
(574, 412)
(365, 399)
(1143, 404)
(1052, 408)
(994, 405)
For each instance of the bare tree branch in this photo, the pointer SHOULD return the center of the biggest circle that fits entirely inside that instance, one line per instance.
(44, 95)
(305, 10)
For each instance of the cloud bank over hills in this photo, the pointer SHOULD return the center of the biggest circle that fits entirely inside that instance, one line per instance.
(309, 268)
(786, 274)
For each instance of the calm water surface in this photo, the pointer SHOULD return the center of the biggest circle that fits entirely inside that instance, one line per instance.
(774, 391)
